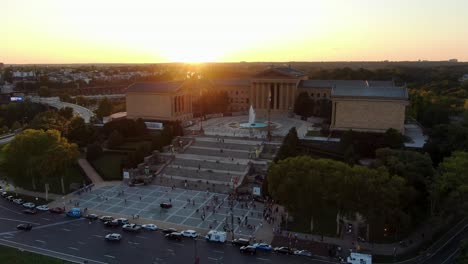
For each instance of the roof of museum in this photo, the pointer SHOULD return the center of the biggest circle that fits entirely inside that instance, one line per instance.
(157, 87)
(232, 82)
(381, 92)
(343, 83)
(285, 71)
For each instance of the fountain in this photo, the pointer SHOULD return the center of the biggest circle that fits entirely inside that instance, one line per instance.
(252, 123)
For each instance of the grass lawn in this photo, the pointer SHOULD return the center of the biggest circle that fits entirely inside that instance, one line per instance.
(109, 165)
(325, 225)
(15, 256)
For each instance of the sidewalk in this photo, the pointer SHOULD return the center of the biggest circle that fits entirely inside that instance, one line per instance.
(90, 171)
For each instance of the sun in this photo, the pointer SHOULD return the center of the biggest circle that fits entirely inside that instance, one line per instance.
(197, 51)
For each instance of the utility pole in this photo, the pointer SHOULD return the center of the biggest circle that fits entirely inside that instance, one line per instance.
(269, 116)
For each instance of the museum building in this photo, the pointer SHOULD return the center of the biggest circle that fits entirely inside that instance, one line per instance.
(360, 105)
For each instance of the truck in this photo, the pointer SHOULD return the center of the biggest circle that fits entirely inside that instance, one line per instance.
(216, 236)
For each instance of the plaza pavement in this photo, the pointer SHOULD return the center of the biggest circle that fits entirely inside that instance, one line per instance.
(145, 202)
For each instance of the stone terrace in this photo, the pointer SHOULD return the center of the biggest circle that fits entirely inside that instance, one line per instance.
(209, 164)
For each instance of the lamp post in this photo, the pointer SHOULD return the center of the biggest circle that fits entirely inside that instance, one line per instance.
(269, 117)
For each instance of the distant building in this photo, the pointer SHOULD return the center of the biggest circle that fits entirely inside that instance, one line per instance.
(372, 106)
(453, 60)
(1, 65)
(464, 78)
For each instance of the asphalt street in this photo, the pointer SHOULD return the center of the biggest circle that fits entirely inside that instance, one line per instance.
(79, 240)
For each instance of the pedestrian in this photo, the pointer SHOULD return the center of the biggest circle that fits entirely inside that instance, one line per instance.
(125, 201)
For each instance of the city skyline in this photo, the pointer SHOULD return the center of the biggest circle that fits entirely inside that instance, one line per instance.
(212, 31)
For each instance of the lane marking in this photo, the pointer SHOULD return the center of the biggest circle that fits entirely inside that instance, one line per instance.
(81, 243)
(59, 223)
(65, 229)
(8, 209)
(141, 237)
(451, 255)
(214, 259)
(109, 256)
(179, 244)
(16, 220)
(98, 236)
(134, 243)
(72, 248)
(263, 259)
(218, 251)
(47, 219)
(47, 252)
(40, 241)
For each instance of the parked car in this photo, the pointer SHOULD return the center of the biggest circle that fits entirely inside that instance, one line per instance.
(29, 205)
(166, 205)
(169, 230)
(106, 218)
(57, 210)
(113, 237)
(26, 227)
(283, 250)
(74, 212)
(30, 211)
(10, 198)
(174, 236)
(131, 227)
(151, 227)
(4, 194)
(112, 223)
(91, 216)
(19, 201)
(122, 221)
(190, 233)
(248, 250)
(216, 236)
(263, 246)
(239, 242)
(305, 253)
(44, 207)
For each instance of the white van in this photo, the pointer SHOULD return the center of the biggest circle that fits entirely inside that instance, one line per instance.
(216, 236)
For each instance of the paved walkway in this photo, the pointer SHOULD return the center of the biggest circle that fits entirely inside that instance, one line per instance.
(90, 171)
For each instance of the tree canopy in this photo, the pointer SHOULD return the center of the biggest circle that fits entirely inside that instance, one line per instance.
(306, 185)
(36, 157)
(105, 108)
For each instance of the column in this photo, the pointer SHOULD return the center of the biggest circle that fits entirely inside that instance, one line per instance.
(257, 92)
(287, 97)
(265, 99)
(275, 90)
(262, 96)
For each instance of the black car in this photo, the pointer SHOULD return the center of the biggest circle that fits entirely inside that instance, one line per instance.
(112, 223)
(166, 205)
(91, 217)
(30, 211)
(174, 236)
(169, 230)
(26, 227)
(239, 242)
(284, 250)
(248, 250)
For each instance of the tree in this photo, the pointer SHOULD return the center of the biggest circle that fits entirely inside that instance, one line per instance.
(451, 183)
(4, 129)
(66, 112)
(44, 92)
(325, 109)
(140, 127)
(304, 105)
(290, 145)
(50, 120)
(393, 139)
(105, 108)
(36, 157)
(93, 151)
(115, 139)
(79, 132)
(16, 125)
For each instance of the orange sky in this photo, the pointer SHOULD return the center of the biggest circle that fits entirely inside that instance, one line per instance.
(145, 31)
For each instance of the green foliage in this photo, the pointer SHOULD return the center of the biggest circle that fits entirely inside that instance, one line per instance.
(325, 109)
(417, 170)
(16, 125)
(17, 256)
(50, 120)
(451, 184)
(93, 151)
(36, 157)
(306, 186)
(20, 111)
(79, 132)
(109, 165)
(44, 91)
(105, 108)
(304, 105)
(290, 145)
(463, 257)
(4, 130)
(80, 100)
(444, 139)
(393, 139)
(115, 139)
(126, 127)
(365, 143)
(66, 112)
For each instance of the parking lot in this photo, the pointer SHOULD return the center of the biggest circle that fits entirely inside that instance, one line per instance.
(188, 207)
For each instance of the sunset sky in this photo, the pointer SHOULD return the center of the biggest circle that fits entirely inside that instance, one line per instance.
(146, 31)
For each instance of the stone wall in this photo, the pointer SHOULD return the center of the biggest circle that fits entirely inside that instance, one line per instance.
(368, 115)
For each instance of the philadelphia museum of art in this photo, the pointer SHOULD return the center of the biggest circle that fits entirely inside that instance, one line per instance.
(360, 105)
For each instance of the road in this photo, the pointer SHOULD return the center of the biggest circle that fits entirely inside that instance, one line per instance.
(5, 140)
(78, 240)
(85, 113)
